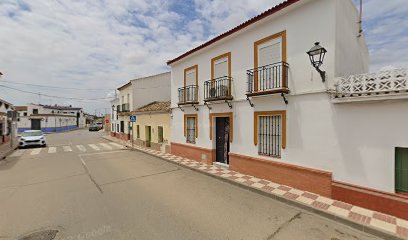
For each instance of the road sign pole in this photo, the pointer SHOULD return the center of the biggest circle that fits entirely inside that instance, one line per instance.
(132, 135)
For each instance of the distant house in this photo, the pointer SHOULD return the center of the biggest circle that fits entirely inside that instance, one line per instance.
(8, 119)
(50, 118)
(136, 94)
(251, 101)
(152, 128)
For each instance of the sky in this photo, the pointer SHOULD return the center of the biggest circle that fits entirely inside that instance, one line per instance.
(88, 48)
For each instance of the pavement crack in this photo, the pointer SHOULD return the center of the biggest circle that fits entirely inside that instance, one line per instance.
(90, 176)
(143, 176)
(285, 224)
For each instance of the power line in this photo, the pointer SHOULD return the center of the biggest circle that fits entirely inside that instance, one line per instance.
(55, 87)
(53, 96)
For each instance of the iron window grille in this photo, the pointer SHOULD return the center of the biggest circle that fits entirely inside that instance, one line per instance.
(191, 129)
(269, 77)
(270, 135)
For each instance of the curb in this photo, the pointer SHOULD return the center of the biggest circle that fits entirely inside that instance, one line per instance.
(5, 155)
(361, 227)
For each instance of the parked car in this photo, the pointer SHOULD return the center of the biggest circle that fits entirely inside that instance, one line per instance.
(94, 127)
(100, 125)
(32, 138)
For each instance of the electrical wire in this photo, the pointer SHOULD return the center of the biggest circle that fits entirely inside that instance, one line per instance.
(53, 96)
(55, 87)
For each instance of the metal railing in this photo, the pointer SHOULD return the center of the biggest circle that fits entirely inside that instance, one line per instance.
(188, 94)
(118, 108)
(218, 89)
(125, 107)
(269, 77)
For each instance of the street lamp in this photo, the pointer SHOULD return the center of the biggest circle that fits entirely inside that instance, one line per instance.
(316, 55)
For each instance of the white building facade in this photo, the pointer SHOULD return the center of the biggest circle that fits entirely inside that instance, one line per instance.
(138, 93)
(251, 101)
(50, 118)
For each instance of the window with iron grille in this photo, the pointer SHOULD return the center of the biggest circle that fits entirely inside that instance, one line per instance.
(191, 129)
(160, 134)
(138, 131)
(270, 135)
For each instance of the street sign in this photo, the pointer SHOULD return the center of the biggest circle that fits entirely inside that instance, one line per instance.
(132, 118)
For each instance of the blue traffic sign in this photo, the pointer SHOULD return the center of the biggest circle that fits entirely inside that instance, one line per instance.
(132, 118)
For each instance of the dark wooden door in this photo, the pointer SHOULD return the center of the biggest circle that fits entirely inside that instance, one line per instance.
(35, 124)
(222, 139)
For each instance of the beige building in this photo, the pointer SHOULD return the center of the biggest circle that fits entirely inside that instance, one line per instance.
(152, 127)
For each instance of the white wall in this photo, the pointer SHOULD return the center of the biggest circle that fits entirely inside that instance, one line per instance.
(354, 141)
(150, 89)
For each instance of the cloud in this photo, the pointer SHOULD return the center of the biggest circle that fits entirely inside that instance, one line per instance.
(103, 44)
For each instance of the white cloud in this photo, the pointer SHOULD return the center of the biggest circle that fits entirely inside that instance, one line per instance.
(102, 44)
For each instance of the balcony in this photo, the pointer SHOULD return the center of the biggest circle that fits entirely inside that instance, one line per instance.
(383, 85)
(269, 79)
(125, 107)
(217, 89)
(188, 95)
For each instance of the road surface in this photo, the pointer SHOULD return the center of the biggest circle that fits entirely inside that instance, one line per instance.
(88, 188)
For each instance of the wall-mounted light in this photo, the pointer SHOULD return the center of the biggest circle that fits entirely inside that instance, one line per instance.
(316, 55)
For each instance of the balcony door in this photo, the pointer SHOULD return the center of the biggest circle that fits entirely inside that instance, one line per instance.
(270, 52)
(268, 70)
(190, 83)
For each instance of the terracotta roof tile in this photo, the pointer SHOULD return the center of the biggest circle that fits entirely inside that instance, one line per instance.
(155, 107)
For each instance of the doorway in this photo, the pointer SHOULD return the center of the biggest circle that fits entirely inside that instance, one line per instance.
(222, 132)
(35, 124)
(148, 131)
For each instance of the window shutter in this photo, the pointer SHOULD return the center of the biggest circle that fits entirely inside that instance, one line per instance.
(191, 77)
(221, 68)
(270, 52)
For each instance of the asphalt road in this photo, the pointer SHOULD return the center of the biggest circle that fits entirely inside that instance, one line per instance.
(87, 188)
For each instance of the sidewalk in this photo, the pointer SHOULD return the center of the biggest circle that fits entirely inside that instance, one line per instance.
(382, 225)
(6, 149)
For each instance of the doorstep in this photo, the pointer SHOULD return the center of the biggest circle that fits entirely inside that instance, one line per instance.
(379, 224)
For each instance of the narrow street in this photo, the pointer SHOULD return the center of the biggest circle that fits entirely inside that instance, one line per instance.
(88, 188)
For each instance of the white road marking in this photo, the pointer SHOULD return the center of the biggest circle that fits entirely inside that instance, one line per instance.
(52, 150)
(81, 148)
(94, 147)
(106, 146)
(116, 145)
(67, 149)
(17, 153)
(35, 151)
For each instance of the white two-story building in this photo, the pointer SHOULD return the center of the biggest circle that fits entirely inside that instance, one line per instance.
(136, 94)
(49, 118)
(250, 100)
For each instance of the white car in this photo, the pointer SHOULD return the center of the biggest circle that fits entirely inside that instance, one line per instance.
(32, 138)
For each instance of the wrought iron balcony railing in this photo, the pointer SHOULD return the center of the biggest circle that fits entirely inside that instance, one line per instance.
(218, 89)
(188, 95)
(268, 79)
(118, 108)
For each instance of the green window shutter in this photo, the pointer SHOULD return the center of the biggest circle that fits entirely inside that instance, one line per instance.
(137, 131)
(401, 170)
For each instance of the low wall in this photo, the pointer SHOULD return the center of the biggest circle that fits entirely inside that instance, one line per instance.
(51, 129)
(307, 179)
(194, 153)
(392, 204)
